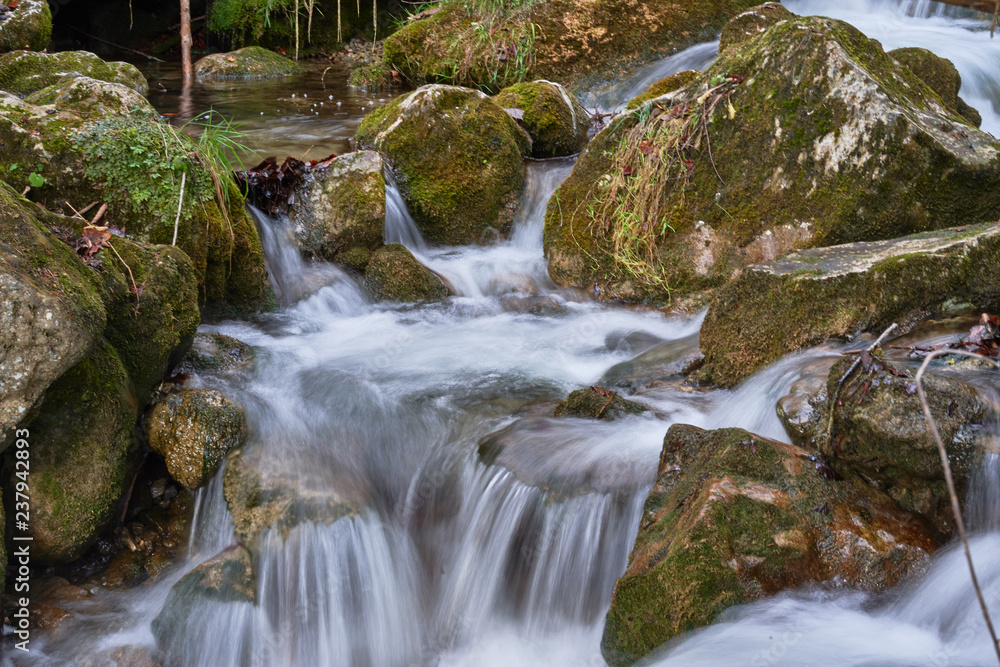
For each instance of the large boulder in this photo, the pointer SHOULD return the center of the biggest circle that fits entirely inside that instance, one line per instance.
(555, 120)
(776, 307)
(457, 156)
(561, 40)
(136, 164)
(25, 72)
(89, 98)
(394, 274)
(250, 62)
(194, 430)
(771, 149)
(341, 207)
(29, 26)
(734, 517)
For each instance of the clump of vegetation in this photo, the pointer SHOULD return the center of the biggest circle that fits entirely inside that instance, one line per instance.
(656, 158)
(370, 78)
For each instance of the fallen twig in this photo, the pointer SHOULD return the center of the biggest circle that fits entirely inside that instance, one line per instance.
(135, 289)
(949, 480)
(180, 203)
(117, 46)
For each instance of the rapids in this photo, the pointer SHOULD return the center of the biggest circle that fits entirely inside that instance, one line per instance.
(457, 563)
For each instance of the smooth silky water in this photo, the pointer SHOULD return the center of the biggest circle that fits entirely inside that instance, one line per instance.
(453, 562)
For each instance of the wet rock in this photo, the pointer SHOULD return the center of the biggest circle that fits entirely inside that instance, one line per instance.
(250, 62)
(665, 85)
(457, 156)
(552, 116)
(733, 518)
(194, 430)
(260, 493)
(90, 98)
(342, 207)
(829, 142)
(394, 274)
(940, 76)
(660, 363)
(803, 411)
(776, 307)
(370, 77)
(217, 352)
(26, 72)
(751, 23)
(228, 578)
(560, 40)
(880, 431)
(597, 403)
(134, 163)
(28, 27)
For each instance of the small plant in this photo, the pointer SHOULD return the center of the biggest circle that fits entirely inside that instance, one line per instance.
(35, 178)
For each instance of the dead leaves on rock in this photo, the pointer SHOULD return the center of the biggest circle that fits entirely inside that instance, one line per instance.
(983, 339)
(271, 187)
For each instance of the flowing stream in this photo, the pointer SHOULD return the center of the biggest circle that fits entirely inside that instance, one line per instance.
(453, 560)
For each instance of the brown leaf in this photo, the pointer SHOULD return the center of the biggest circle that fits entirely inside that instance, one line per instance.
(604, 392)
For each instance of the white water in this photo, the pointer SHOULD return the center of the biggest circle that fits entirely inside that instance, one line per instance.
(459, 564)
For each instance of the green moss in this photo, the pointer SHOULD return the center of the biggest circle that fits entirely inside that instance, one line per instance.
(393, 273)
(370, 78)
(594, 405)
(25, 72)
(29, 27)
(355, 258)
(250, 62)
(557, 123)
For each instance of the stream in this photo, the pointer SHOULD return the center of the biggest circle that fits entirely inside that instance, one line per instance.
(455, 563)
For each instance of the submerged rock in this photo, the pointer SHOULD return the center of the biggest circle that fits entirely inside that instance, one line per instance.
(777, 307)
(26, 72)
(733, 518)
(342, 207)
(828, 142)
(250, 62)
(28, 27)
(194, 430)
(552, 116)
(458, 159)
(598, 403)
(803, 411)
(217, 352)
(394, 274)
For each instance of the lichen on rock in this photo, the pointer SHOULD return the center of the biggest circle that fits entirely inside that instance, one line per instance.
(29, 27)
(457, 157)
(26, 72)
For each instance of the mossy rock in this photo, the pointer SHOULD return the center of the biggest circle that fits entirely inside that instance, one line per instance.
(341, 207)
(218, 353)
(29, 27)
(261, 494)
(555, 120)
(879, 430)
(733, 518)
(593, 403)
(394, 274)
(53, 309)
(561, 40)
(830, 142)
(751, 23)
(940, 76)
(457, 156)
(774, 308)
(81, 443)
(194, 430)
(90, 98)
(355, 258)
(26, 72)
(250, 62)
(226, 579)
(369, 77)
(665, 85)
(135, 164)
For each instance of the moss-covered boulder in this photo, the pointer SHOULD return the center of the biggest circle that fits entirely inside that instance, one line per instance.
(51, 310)
(250, 62)
(394, 274)
(194, 430)
(940, 76)
(734, 517)
(135, 163)
(29, 26)
(879, 430)
(597, 403)
(90, 98)
(555, 120)
(226, 579)
(25, 72)
(771, 149)
(561, 40)
(776, 307)
(665, 85)
(457, 156)
(749, 24)
(261, 493)
(341, 207)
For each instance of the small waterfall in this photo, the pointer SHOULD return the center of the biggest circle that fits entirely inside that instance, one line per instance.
(399, 224)
(285, 265)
